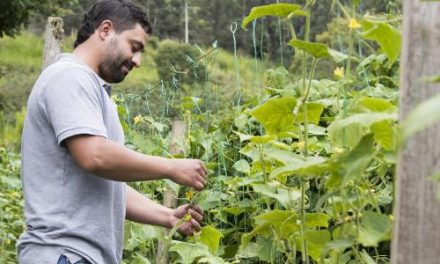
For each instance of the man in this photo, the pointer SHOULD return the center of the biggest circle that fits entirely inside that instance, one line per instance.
(74, 163)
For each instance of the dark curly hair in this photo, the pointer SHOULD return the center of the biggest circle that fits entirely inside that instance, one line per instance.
(123, 13)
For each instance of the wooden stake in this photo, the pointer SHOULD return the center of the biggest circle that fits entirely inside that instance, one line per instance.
(53, 36)
(417, 211)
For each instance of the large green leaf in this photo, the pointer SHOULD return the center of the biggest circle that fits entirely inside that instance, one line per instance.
(284, 223)
(284, 156)
(373, 104)
(276, 114)
(423, 115)
(314, 111)
(211, 260)
(280, 10)
(374, 228)
(312, 166)
(316, 242)
(242, 166)
(189, 252)
(352, 164)
(256, 139)
(349, 131)
(317, 220)
(277, 117)
(263, 249)
(318, 50)
(385, 134)
(287, 197)
(388, 38)
(210, 237)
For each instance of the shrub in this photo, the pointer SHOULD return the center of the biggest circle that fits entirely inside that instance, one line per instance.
(177, 63)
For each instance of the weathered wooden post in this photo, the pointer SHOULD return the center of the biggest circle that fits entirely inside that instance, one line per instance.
(170, 196)
(416, 237)
(53, 36)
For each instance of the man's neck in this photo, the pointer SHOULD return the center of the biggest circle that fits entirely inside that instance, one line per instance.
(89, 55)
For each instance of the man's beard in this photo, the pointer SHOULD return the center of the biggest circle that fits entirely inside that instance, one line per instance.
(111, 67)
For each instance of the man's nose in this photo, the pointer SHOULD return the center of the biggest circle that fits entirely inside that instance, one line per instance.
(137, 59)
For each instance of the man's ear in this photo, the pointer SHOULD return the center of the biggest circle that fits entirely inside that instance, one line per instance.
(105, 29)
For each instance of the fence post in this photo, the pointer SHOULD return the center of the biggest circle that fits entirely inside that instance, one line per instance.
(416, 237)
(53, 36)
(170, 196)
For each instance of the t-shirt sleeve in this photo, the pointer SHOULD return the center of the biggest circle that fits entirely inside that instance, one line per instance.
(71, 102)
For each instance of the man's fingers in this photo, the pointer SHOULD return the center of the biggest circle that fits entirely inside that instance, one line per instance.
(198, 186)
(204, 167)
(202, 180)
(195, 215)
(197, 209)
(195, 225)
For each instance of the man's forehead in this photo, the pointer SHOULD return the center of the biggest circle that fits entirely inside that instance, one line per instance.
(137, 34)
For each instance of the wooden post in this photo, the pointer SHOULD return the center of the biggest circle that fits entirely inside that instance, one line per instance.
(53, 36)
(416, 237)
(170, 196)
(186, 23)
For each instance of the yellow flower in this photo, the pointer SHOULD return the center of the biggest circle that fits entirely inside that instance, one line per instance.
(338, 150)
(189, 195)
(137, 119)
(339, 72)
(354, 24)
(301, 144)
(187, 217)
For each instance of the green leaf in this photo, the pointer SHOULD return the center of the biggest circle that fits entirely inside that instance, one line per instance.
(388, 38)
(256, 139)
(312, 166)
(210, 237)
(373, 104)
(283, 156)
(189, 252)
(249, 250)
(423, 115)
(280, 10)
(276, 114)
(374, 228)
(385, 135)
(339, 245)
(211, 260)
(431, 79)
(349, 131)
(242, 166)
(366, 258)
(283, 222)
(285, 196)
(316, 242)
(317, 220)
(314, 111)
(318, 50)
(352, 164)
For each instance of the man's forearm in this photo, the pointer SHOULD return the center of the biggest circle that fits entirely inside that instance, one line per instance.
(115, 162)
(112, 161)
(142, 210)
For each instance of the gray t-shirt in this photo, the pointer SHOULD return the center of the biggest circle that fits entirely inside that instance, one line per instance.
(68, 209)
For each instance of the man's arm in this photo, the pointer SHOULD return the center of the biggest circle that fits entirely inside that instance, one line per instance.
(112, 161)
(142, 210)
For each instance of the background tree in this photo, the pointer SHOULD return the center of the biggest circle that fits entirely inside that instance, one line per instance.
(15, 14)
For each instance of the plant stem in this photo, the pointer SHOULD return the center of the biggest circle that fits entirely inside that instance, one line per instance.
(305, 258)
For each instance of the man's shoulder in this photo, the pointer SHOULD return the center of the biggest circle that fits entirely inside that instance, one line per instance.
(67, 69)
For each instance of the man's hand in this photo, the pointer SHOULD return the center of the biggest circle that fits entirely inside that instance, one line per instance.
(194, 221)
(188, 172)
